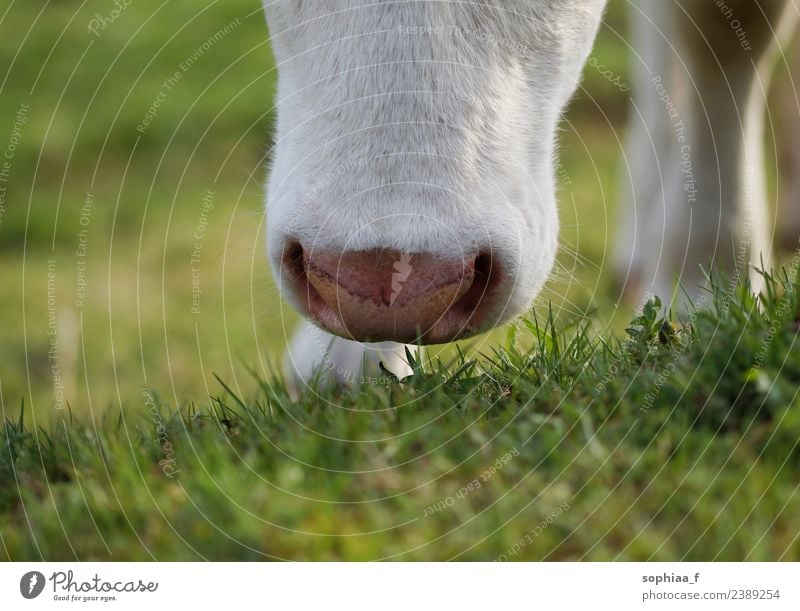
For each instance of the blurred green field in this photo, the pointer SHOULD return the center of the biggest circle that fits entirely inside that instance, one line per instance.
(122, 306)
(108, 352)
(132, 324)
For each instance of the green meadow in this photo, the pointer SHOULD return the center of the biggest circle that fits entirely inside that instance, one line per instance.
(144, 416)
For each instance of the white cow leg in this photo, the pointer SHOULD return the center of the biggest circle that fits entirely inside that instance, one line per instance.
(716, 198)
(789, 221)
(786, 121)
(314, 352)
(648, 146)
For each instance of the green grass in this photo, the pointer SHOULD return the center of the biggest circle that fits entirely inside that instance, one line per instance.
(678, 441)
(707, 470)
(87, 94)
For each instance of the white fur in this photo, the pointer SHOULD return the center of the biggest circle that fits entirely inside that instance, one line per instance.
(313, 351)
(423, 127)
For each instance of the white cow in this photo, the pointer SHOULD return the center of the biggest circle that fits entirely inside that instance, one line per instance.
(412, 192)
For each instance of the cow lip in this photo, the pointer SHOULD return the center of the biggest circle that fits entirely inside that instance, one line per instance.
(447, 329)
(461, 320)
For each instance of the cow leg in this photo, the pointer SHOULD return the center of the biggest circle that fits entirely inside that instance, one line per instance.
(649, 145)
(786, 122)
(314, 352)
(715, 198)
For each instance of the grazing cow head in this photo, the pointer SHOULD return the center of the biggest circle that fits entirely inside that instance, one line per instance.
(412, 195)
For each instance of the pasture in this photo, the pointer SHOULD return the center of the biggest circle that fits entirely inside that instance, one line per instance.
(144, 418)
(679, 442)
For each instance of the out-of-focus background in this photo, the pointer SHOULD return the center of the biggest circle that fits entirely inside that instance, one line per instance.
(134, 139)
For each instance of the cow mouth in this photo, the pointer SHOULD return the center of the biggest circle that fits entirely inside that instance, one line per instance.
(446, 301)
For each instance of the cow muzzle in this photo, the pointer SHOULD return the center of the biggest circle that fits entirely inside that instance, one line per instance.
(386, 295)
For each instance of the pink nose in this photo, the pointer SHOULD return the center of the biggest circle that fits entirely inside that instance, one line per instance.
(385, 295)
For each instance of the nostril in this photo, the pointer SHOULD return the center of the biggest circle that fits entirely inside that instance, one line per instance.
(486, 277)
(293, 261)
(295, 265)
